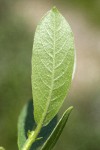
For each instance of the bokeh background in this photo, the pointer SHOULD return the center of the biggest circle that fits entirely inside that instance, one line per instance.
(18, 20)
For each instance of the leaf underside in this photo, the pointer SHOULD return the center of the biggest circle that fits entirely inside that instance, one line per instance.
(52, 65)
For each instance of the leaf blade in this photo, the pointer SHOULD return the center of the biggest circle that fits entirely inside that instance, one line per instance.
(51, 141)
(52, 65)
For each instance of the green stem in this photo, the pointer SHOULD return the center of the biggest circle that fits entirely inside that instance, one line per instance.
(32, 137)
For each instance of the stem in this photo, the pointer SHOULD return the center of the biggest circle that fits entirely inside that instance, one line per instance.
(32, 137)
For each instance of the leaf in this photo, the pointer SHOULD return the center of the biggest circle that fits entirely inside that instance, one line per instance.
(51, 141)
(52, 65)
(26, 123)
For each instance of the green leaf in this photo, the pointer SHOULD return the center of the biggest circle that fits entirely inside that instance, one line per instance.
(26, 124)
(52, 65)
(51, 141)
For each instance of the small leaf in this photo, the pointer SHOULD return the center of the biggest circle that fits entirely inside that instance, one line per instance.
(52, 65)
(39, 138)
(51, 141)
(28, 133)
(26, 124)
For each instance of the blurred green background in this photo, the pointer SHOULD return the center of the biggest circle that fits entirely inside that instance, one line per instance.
(18, 20)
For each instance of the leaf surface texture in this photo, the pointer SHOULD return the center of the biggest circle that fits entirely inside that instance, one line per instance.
(52, 65)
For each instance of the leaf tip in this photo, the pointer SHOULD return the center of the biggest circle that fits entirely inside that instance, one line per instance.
(54, 9)
(71, 107)
(69, 110)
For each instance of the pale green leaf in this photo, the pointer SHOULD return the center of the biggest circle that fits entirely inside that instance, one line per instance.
(52, 65)
(51, 141)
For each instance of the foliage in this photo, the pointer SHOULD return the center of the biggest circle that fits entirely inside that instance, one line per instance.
(52, 70)
(15, 49)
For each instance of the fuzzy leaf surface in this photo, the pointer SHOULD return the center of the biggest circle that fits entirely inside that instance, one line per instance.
(52, 65)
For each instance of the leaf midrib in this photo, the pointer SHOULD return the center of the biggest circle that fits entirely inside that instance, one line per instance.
(52, 78)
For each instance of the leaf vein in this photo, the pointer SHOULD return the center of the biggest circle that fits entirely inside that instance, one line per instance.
(48, 33)
(59, 86)
(61, 48)
(46, 49)
(61, 61)
(63, 73)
